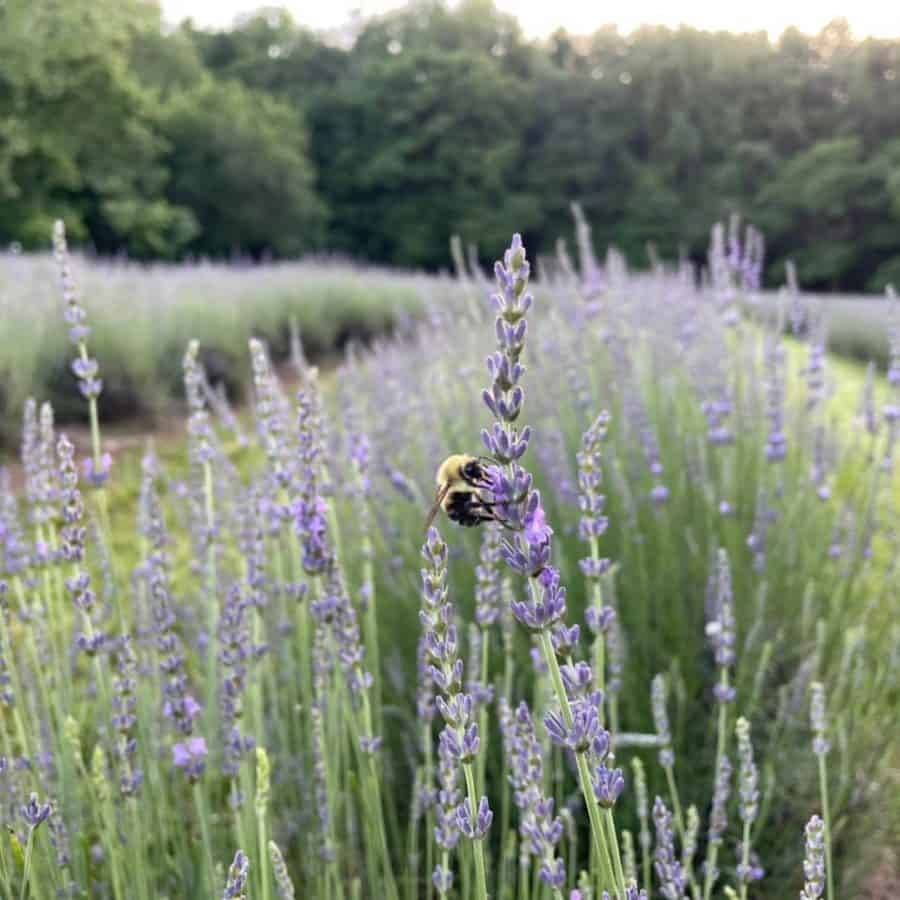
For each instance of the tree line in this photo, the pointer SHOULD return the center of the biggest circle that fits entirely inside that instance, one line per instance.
(267, 140)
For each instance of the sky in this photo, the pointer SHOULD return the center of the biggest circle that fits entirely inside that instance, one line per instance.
(539, 18)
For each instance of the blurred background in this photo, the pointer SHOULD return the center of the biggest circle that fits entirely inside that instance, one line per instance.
(194, 128)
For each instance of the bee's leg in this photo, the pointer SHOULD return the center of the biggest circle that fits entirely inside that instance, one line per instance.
(485, 509)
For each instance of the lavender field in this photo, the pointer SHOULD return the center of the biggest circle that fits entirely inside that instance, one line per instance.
(667, 664)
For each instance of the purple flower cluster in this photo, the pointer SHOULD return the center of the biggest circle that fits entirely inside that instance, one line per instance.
(236, 883)
(271, 427)
(90, 641)
(545, 604)
(668, 867)
(718, 816)
(661, 721)
(593, 523)
(86, 369)
(236, 652)
(776, 440)
(310, 508)
(488, 600)
(124, 720)
(459, 741)
(179, 705)
(541, 831)
(34, 812)
(15, 553)
(201, 440)
(334, 611)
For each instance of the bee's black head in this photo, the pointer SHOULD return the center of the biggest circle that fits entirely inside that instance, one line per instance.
(473, 472)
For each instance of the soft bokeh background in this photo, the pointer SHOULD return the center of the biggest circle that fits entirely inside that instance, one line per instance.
(381, 138)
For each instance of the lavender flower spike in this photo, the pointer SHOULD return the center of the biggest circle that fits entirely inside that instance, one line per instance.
(661, 721)
(540, 830)
(821, 745)
(283, 883)
(814, 862)
(748, 791)
(668, 867)
(459, 741)
(236, 885)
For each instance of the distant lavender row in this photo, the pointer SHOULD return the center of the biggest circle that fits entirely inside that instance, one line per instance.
(142, 313)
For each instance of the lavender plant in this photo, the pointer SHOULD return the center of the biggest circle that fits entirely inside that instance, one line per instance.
(209, 668)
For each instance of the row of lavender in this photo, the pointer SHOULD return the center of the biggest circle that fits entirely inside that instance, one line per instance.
(249, 655)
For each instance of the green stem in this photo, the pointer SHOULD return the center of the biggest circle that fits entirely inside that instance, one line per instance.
(826, 815)
(200, 806)
(584, 775)
(616, 856)
(263, 842)
(26, 872)
(429, 816)
(676, 802)
(477, 844)
(745, 860)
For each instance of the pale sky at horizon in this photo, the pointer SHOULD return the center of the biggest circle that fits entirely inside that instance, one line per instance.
(539, 18)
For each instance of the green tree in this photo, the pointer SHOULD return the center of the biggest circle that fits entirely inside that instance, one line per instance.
(78, 137)
(238, 162)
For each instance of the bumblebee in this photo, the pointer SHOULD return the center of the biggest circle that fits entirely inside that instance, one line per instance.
(460, 479)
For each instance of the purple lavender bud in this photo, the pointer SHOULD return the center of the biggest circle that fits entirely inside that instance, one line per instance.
(594, 568)
(565, 639)
(577, 677)
(34, 812)
(608, 785)
(474, 830)
(236, 884)
(553, 872)
(97, 475)
(487, 589)
(668, 867)
(718, 817)
(190, 756)
(600, 621)
(584, 730)
(539, 664)
(442, 879)
(545, 605)
(540, 830)
(370, 745)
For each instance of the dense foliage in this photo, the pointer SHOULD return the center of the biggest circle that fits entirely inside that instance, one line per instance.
(246, 649)
(267, 139)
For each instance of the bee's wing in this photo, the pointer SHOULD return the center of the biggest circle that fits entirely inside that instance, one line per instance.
(438, 500)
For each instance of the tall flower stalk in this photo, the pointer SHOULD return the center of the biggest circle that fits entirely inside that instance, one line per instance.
(821, 746)
(529, 551)
(749, 799)
(85, 368)
(721, 636)
(459, 740)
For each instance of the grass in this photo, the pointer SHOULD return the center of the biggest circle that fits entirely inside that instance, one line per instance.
(651, 352)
